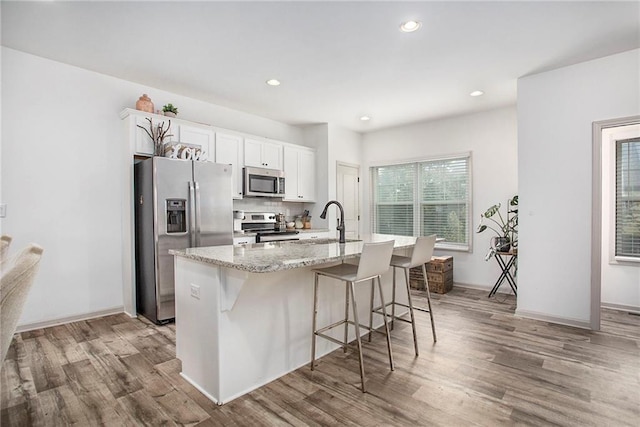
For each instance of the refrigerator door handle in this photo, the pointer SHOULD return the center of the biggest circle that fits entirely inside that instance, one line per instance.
(192, 215)
(197, 213)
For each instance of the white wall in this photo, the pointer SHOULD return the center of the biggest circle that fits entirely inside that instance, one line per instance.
(344, 146)
(333, 144)
(491, 138)
(555, 114)
(620, 281)
(62, 140)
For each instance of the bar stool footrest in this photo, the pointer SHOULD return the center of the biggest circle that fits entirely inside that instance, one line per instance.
(320, 331)
(424, 310)
(378, 310)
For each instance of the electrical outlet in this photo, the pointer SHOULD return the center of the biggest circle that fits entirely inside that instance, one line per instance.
(195, 291)
(3, 210)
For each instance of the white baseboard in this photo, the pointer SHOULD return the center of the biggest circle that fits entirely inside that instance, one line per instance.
(62, 320)
(504, 289)
(577, 323)
(621, 307)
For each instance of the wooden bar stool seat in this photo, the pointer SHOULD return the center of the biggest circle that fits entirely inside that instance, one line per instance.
(373, 262)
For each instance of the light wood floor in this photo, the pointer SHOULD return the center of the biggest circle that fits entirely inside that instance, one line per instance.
(488, 368)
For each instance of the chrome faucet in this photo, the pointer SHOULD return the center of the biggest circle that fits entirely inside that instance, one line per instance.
(340, 227)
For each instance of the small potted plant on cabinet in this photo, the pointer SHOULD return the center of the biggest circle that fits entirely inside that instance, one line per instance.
(169, 110)
(506, 229)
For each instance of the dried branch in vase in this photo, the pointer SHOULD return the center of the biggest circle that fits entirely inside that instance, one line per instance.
(157, 133)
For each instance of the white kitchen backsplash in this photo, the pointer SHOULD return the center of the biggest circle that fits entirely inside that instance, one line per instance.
(257, 204)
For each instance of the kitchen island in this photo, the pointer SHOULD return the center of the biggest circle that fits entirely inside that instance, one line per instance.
(244, 313)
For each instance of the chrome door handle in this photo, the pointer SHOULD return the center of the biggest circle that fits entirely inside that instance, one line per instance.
(192, 215)
(197, 214)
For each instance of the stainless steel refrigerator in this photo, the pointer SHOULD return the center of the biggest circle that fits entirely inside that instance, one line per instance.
(179, 204)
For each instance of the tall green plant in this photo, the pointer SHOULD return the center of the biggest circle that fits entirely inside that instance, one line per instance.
(503, 226)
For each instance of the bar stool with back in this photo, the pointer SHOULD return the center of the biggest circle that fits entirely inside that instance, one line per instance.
(422, 252)
(373, 262)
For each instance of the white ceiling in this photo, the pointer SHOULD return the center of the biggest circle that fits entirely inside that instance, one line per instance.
(336, 60)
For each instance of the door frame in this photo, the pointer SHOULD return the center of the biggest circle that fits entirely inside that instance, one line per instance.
(357, 166)
(596, 212)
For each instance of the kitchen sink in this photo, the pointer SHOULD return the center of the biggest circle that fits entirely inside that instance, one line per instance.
(320, 241)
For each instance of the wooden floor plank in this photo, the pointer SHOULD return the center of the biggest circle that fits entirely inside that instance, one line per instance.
(95, 397)
(488, 368)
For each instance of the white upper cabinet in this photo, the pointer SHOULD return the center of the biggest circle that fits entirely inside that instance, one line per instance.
(200, 136)
(143, 145)
(307, 175)
(262, 154)
(229, 150)
(291, 174)
(300, 171)
(179, 131)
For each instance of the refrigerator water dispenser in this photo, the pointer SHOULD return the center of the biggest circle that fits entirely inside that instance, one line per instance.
(176, 216)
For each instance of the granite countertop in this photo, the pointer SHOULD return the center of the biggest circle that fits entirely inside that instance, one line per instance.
(285, 255)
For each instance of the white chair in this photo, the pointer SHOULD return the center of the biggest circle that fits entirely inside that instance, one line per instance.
(422, 252)
(374, 261)
(14, 288)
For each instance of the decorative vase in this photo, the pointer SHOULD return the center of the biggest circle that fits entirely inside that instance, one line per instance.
(169, 114)
(144, 104)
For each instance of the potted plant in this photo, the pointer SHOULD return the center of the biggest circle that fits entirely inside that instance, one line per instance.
(505, 227)
(169, 110)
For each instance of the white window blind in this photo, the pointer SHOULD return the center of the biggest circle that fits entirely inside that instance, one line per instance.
(423, 198)
(628, 198)
(394, 188)
(444, 199)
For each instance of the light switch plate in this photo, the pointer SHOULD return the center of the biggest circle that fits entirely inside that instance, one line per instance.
(3, 210)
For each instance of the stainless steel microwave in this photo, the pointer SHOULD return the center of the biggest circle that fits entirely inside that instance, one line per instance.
(260, 182)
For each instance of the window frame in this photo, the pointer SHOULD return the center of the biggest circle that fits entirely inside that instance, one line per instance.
(614, 199)
(418, 203)
(628, 131)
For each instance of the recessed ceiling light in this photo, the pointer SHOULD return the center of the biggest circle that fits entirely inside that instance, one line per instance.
(476, 93)
(410, 26)
(273, 82)
(365, 118)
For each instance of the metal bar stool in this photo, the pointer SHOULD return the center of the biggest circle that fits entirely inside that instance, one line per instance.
(373, 262)
(422, 252)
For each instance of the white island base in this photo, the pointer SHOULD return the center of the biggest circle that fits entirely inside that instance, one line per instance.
(238, 330)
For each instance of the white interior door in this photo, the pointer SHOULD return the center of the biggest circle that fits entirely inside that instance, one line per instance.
(348, 194)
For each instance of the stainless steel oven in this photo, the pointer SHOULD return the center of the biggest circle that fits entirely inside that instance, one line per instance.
(260, 182)
(266, 227)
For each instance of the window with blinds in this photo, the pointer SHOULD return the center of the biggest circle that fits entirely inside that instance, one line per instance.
(628, 198)
(423, 198)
